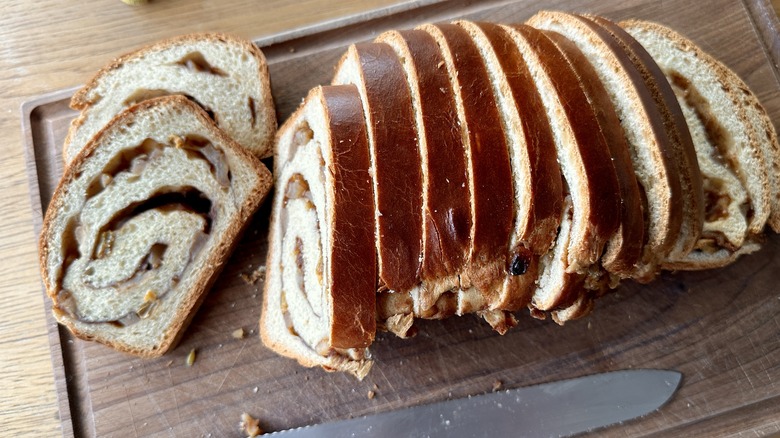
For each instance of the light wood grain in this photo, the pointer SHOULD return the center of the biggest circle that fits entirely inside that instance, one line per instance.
(55, 44)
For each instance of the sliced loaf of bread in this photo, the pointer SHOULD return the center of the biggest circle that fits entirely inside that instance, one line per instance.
(141, 223)
(225, 75)
(319, 301)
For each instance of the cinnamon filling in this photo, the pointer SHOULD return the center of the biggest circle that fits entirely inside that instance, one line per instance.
(196, 62)
(717, 135)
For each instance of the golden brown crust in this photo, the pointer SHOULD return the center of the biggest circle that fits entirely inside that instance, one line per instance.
(80, 101)
(396, 164)
(353, 257)
(212, 265)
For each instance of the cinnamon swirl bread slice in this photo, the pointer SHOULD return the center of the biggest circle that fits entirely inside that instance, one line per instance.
(643, 125)
(225, 75)
(731, 139)
(319, 302)
(142, 221)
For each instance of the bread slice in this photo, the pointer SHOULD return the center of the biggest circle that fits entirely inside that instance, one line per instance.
(586, 164)
(319, 301)
(489, 168)
(395, 159)
(676, 130)
(728, 139)
(624, 248)
(225, 75)
(537, 180)
(141, 223)
(643, 125)
(446, 211)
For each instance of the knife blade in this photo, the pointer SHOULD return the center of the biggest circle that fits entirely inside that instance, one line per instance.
(559, 408)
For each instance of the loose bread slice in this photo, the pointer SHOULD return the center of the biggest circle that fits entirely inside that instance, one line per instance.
(142, 221)
(319, 301)
(225, 75)
(586, 165)
(716, 108)
(642, 122)
(395, 159)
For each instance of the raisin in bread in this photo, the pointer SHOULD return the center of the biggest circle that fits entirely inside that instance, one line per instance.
(320, 288)
(142, 221)
(225, 75)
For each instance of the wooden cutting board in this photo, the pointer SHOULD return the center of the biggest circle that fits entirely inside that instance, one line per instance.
(720, 328)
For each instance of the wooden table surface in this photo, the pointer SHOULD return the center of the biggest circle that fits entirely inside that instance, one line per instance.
(55, 44)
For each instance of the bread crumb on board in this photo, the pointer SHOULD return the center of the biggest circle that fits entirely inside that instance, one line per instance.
(190, 360)
(497, 385)
(250, 425)
(238, 333)
(371, 394)
(254, 276)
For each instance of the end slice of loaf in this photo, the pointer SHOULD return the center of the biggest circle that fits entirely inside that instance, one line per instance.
(225, 75)
(731, 139)
(319, 301)
(141, 223)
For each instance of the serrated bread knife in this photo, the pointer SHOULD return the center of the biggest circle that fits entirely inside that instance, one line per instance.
(555, 409)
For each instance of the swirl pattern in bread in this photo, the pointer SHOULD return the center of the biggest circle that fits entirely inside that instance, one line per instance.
(142, 221)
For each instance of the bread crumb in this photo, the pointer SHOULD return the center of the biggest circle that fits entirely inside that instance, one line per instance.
(190, 358)
(371, 395)
(238, 333)
(376, 387)
(254, 276)
(250, 425)
(497, 385)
